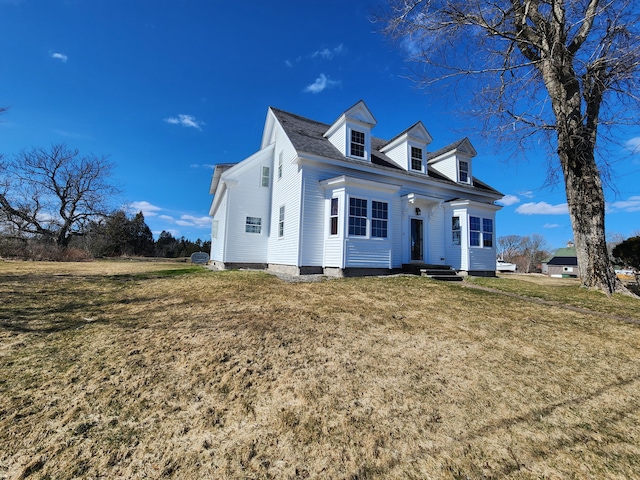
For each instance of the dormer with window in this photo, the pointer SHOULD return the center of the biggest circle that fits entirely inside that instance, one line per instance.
(454, 161)
(351, 132)
(409, 149)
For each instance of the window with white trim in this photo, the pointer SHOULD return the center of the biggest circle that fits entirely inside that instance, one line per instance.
(416, 159)
(463, 171)
(253, 225)
(214, 229)
(487, 232)
(480, 232)
(456, 231)
(280, 166)
(474, 231)
(379, 219)
(333, 216)
(281, 223)
(265, 177)
(357, 216)
(357, 144)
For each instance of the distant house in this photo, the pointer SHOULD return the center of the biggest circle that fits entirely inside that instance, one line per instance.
(335, 199)
(563, 263)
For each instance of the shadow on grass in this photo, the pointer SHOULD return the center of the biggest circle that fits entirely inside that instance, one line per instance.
(572, 437)
(49, 304)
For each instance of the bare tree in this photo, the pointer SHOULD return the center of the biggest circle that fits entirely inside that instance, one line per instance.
(509, 247)
(567, 68)
(534, 249)
(54, 193)
(527, 252)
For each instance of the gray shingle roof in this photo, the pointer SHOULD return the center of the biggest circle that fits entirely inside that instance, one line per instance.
(306, 135)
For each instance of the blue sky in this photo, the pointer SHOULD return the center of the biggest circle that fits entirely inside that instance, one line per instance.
(169, 88)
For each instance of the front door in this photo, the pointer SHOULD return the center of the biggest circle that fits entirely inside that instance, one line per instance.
(417, 240)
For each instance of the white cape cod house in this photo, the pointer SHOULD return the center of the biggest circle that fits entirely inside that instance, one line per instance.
(334, 199)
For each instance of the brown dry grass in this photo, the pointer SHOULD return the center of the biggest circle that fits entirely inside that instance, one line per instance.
(129, 370)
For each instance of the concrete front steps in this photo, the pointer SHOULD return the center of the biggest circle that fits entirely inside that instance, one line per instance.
(437, 272)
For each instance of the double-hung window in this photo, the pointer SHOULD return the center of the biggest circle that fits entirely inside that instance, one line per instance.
(455, 231)
(463, 171)
(214, 229)
(334, 216)
(265, 177)
(416, 158)
(357, 216)
(281, 222)
(253, 225)
(280, 166)
(379, 219)
(487, 232)
(474, 231)
(480, 232)
(357, 144)
(360, 218)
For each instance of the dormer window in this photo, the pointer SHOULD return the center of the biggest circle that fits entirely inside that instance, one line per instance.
(463, 171)
(351, 132)
(416, 159)
(357, 144)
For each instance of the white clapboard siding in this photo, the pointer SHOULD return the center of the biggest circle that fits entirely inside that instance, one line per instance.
(447, 167)
(363, 253)
(286, 192)
(395, 231)
(400, 155)
(482, 259)
(217, 244)
(435, 234)
(248, 199)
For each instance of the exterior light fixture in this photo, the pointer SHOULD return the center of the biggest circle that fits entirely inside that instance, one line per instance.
(417, 211)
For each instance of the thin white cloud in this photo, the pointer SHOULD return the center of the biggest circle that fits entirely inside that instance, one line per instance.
(322, 82)
(65, 133)
(202, 165)
(508, 200)
(147, 209)
(632, 204)
(174, 233)
(288, 63)
(190, 220)
(542, 208)
(633, 144)
(60, 56)
(185, 120)
(551, 225)
(328, 54)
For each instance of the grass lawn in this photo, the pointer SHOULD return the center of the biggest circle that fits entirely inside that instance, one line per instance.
(154, 370)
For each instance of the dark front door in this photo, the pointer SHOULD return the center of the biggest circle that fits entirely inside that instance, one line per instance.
(417, 240)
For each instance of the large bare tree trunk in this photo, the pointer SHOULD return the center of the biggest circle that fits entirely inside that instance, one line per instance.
(585, 198)
(576, 108)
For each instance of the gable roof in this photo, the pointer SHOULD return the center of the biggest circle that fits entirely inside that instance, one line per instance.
(464, 145)
(564, 256)
(417, 130)
(307, 136)
(569, 261)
